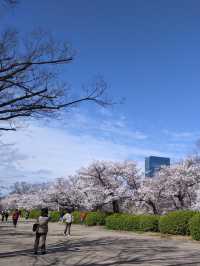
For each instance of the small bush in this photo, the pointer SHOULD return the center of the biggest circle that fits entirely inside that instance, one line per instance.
(34, 214)
(149, 223)
(176, 223)
(123, 222)
(114, 222)
(194, 226)
(22, 213)
(76, 217)
(55, 216)
(95, 218)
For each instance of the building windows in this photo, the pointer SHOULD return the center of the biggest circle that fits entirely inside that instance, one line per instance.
(153, 164)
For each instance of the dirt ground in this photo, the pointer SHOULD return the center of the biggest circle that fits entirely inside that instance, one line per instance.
(93, 246)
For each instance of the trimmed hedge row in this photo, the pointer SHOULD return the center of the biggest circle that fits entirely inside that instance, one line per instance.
(149, 223)
(133, 222)
(176, 222)
(95, 218)
(77, 217)
(194, 227)
(34, 214)
(55, 216)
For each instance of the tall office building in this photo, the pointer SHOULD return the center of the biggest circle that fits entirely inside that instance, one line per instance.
(153, 164)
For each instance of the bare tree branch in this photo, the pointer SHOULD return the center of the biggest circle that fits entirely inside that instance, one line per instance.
(29, 79)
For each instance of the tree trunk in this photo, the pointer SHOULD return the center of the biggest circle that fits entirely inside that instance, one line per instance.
(154, 208)
(115, 206)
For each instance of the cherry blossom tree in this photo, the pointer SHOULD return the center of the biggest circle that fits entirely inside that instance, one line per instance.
(25, 195)
(64, 193)
(172, 187)
(150, 195)
(106, 182)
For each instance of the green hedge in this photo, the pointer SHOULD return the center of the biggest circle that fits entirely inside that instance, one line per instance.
(123, 222)
(55, 216)
(76, 217)
(95, 218)
(34, 214)
(194, 226)
(22, 212)
(114, 222)
(176, 222)
(149, 223)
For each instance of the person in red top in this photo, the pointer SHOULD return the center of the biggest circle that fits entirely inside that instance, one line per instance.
(15, 217)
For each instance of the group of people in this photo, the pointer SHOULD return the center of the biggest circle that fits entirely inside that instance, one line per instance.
(41, 228)
(15, 216)
(4, 215)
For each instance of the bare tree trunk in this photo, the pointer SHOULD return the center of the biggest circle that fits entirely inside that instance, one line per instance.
(115, 205)
(154, 208)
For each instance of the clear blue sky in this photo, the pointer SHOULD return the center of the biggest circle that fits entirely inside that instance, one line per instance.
(147, 51)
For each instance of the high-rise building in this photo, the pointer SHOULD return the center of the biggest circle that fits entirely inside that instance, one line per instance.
(153, 164)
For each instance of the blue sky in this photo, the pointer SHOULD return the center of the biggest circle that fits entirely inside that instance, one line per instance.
(147, 51)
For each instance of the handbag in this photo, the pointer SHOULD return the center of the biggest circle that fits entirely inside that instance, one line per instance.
(35, 227)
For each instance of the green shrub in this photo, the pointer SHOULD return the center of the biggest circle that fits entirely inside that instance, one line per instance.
(55, 216)
(76, 217)
(123, 222)
(131, 222)
(34, 214)
(114, 222)
(95, 218)
(194, 226)
(149, 223)
(22, 213)
(176, 222)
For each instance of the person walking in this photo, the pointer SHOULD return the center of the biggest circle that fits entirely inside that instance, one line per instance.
(15, 217)
(2, 216)
(82, 216)
(6, 215)
(68, 219)
(41, 231)
(27, 214)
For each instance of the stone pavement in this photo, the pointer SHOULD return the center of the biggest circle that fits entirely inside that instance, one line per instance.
(94, 246)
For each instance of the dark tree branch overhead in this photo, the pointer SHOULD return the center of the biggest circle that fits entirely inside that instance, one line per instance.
(29, 79)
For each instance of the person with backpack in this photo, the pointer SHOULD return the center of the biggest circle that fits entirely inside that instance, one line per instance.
(41, 229)
(68, 219)
(15, 217)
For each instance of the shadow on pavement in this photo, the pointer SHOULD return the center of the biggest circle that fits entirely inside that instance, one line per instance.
(124, 252)
(100, 251)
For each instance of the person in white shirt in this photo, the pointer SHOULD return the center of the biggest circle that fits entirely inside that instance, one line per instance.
(68, 219)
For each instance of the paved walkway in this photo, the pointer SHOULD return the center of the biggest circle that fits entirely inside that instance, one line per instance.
(93, 246)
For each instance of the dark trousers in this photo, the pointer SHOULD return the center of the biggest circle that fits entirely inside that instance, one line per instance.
(15, 222)
(67, 228)
(43, 237)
